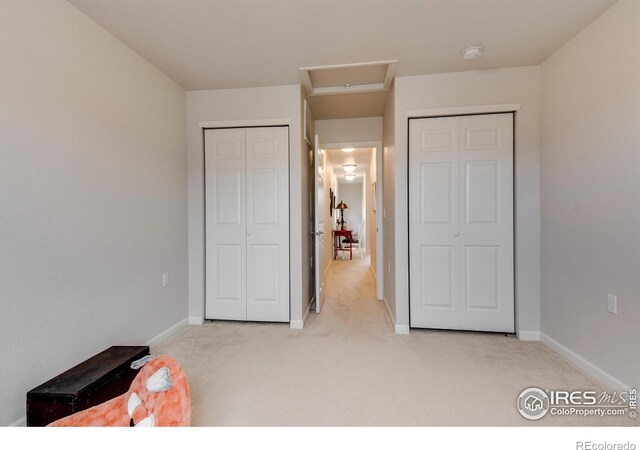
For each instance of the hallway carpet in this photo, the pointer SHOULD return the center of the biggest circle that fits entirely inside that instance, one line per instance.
(347, 367)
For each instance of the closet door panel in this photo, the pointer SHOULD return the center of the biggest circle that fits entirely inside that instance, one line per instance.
(434, 221)
(486, 235)
(461, 223)
(225, 217)
(268, 224)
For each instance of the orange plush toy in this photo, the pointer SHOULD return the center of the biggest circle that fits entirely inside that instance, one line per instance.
(158, 397)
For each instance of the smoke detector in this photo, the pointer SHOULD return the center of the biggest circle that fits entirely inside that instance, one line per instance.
(472, 52)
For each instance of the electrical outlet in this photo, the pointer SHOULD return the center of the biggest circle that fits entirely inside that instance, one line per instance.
(165, 279)
(612, 304)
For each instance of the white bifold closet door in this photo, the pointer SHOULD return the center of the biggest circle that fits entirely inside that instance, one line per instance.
(461, 223)
(247, 224)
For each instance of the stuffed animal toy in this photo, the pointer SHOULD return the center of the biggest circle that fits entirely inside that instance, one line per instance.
(158, 397)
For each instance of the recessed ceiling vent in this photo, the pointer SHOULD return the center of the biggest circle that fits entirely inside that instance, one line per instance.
(349, 78)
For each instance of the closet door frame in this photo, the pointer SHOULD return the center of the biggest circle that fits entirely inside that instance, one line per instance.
(462, 111)
(204, 126)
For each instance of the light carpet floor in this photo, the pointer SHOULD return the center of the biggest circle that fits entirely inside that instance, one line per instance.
(347, 367)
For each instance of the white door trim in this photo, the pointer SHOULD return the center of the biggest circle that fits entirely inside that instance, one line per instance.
(463, 110)
(244, 123)
(334, 145)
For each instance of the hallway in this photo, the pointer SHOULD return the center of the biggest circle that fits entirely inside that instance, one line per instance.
(347, 367)
(350, 305)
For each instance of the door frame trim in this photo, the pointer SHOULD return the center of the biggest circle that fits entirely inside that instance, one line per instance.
(244, 123)
(463, 111)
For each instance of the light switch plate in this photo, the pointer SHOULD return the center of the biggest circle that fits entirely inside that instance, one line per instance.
(612, 304)
(165, 279)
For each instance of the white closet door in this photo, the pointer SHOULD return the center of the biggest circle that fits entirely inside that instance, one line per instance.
(434, 222)
(225, 224)
(267, 224)
(486, 234)
(461, 223)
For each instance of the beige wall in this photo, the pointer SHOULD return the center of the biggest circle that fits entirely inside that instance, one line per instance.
(371, 213)
(330, 182)
(341, 131)
(590, 192)
(245, 107)
(462, 89)
(388, 208)
(93, 188)
(351, 194)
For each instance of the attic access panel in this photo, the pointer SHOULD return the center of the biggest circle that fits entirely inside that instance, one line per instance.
(348, 78)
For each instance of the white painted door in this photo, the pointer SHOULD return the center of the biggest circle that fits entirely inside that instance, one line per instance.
(247, 224)
(226, 224)
(461, 223)
(319, 223)
(268, 224)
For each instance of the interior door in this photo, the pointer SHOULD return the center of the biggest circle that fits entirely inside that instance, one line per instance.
(225, 224)
(267, 232)
(319, 223)
(247, 224)
(461, 223)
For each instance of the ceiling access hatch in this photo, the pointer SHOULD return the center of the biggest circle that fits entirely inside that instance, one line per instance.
(349, 78)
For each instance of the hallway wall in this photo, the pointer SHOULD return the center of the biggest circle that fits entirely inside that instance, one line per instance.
(351, 194)
(388, 211)
(338, 131)
(329, 216)
(371, 211)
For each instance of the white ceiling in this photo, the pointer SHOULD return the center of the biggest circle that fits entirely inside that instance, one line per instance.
(220, 44)
(360, 156)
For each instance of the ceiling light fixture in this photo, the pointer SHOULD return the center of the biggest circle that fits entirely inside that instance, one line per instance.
(349, 168)
(349, 176)
(348, 149)
(473, 52)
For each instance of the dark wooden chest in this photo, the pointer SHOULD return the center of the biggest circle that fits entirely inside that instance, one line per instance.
(96, 380)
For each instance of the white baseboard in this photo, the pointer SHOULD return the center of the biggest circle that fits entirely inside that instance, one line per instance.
(399, 329)
(525, 335)
(584, 364)
(296, 324)
(386, 306)
(21, 422)
(308, 311)
(193, 320)
(299, 324)
(167, 333)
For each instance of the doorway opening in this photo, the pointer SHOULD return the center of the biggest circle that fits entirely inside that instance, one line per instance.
(347, 200)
